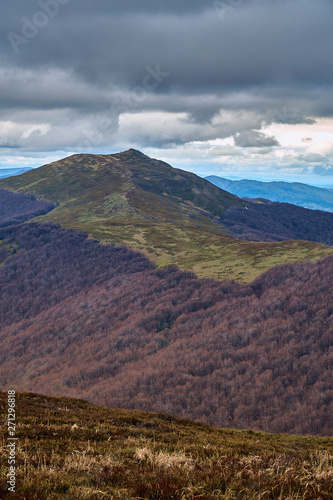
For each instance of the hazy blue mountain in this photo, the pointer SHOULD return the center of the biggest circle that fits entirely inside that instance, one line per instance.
(296, 193)
(9, 172)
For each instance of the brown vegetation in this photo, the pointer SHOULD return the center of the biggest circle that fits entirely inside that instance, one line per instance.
(268, 221)
(19, 207)
(73, 450)
(98, 322)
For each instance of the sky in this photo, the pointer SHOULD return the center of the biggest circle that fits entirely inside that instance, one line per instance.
(236, 88)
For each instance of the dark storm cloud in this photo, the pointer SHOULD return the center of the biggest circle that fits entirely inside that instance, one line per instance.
(107, 42)
(254, 139)
(271, 59)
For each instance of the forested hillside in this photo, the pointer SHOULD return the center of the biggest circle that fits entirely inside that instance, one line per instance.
(16, 208)
(93, 321)
(268, 221)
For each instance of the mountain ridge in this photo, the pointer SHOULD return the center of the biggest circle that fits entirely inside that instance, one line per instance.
(297, 193)
(173, 216)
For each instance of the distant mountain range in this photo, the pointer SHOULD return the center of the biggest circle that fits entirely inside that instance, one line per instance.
(296, 193)
(9, 172)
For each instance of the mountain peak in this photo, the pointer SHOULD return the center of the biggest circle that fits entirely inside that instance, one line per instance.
(135, 152)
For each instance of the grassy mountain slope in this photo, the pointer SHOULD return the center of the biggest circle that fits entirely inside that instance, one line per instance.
(74, 450)
(171, 215)
(296, 193)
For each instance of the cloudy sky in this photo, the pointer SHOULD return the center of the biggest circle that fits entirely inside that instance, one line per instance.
(237, 88)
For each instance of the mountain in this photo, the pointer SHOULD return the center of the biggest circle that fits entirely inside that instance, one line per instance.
(173, 216)
(306, 196)
(82, 319)
(9, 172)
(73, 449)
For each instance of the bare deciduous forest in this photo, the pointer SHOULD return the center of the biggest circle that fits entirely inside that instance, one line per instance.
(16, 208)
(268, 221)
(86, 320)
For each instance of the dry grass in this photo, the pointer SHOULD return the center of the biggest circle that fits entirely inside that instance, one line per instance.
(74, 450)
(164, 460)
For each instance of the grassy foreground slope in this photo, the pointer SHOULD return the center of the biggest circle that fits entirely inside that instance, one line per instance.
(72, 449)
(169, 214)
